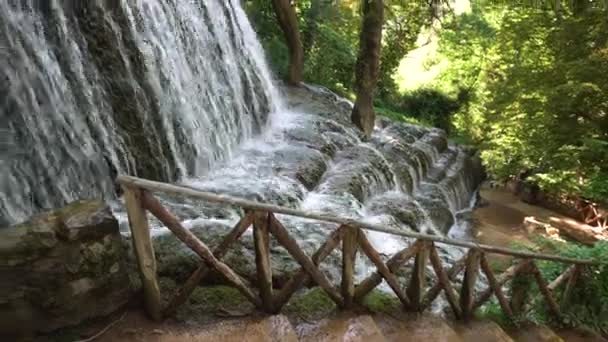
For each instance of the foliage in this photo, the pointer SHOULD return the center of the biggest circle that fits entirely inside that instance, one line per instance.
(526, 85)
(403, 22)
(588, 305)
(380, 301)
(531, 87)
(429, 105)
(312, 304)
(330, 36)
(400, 116)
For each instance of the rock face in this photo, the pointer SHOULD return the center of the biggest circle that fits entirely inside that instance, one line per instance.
(61, 268)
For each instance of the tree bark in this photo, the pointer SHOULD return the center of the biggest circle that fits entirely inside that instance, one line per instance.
(368, 62)
(288, 21)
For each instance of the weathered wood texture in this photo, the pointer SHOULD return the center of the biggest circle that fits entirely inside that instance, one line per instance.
(500, 281)
(202, 271)
(434, 291)
(144, 251)
(261, 242)
(496, 287)
(418, 279)
(443, 280)
(467, 291)
(190, 240)
(393, 264)
(265, 224)
(520, 288)
(544, 290)
(386, 273)
(572, 279)
(251, 205)
(307, 264)
(303, 276)
(349, 255)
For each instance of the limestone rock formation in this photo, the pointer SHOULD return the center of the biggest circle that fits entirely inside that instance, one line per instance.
(61, 268)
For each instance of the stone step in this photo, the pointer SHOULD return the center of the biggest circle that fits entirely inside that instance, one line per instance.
(413, 328)
(269, 329)
(531, 333)
(482, 331)
(344, 327)
(272, 328)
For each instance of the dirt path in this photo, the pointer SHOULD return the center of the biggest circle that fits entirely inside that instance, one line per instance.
(500, 221)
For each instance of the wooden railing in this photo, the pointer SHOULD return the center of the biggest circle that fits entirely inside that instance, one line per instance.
(416, 296)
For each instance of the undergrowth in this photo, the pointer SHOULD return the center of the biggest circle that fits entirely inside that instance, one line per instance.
(588, 306)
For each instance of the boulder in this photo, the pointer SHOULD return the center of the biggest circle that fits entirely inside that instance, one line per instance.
(61, 268)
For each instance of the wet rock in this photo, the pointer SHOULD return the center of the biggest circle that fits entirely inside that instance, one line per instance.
(417, 328)
(402, 163)
(320, 100)
(481, 331)
(438, 212)
(440, 169)
(436, 138)
(344, 327)
(61, 268)
(406, 132)
(310, 138)
(304, 164)
(400, 206)
(358, 170)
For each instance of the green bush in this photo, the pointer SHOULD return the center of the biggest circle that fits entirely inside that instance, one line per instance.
(588, 306)
(430, 105)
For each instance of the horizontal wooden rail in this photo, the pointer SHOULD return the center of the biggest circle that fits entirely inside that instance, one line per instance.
(134, 182)
(416, 294)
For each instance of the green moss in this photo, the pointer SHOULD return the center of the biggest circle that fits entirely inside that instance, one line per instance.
(380, 301)
(312, 304)
(215, 297)
(209, 301)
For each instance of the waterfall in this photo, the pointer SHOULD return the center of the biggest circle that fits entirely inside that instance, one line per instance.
(162, 89)
(179, 91)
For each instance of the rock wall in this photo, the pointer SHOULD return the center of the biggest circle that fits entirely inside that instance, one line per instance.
(61, 268)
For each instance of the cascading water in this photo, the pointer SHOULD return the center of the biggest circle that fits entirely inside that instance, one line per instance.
(161, 89)
(179, 91)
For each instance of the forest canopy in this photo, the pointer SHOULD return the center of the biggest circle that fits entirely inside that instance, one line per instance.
(525, 84)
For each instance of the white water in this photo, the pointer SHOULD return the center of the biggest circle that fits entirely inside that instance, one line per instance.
(180, 91)
(159, 88)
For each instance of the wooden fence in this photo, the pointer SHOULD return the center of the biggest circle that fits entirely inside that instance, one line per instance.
(416, 295)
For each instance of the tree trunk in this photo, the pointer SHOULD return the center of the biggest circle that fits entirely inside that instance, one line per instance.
(286, 16)
(368, 62)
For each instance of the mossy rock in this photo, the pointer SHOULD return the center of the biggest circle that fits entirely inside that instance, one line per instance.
(382, 302)
(311, 304)
(209, 302)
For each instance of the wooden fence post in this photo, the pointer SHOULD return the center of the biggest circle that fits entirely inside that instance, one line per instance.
(349, 254)
(467, 292)
(418, 278)
(520, 288)
(570, 285)
(495, 286)
(261, 240)
(544, 290)
(144, 251)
